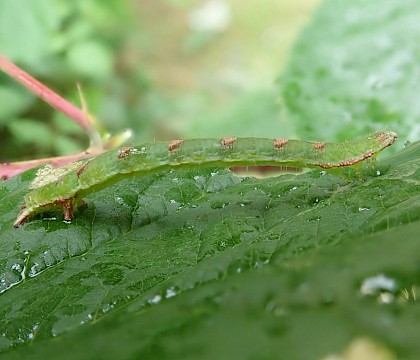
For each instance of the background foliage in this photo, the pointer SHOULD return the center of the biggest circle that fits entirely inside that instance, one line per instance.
(361, 54)
(145, 66)
(185, 264)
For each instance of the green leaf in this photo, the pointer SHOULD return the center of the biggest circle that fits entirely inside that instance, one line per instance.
(28, 34)
(28, 130)
(194, 264)
(355, 69)
(90, 59)
(13, 100)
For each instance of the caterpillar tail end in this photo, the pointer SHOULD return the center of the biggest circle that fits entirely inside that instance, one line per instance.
(22, 216)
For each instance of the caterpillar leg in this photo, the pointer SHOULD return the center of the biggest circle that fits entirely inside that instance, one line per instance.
(68, 208)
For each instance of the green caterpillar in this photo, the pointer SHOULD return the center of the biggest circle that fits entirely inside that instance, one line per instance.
(65, 187)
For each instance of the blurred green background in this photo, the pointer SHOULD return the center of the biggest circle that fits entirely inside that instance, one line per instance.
(166, 69)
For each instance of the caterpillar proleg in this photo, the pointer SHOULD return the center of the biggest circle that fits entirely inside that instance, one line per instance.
(65, 187)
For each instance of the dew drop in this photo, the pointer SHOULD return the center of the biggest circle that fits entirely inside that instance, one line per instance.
(316, 218)
(293, 188)
(31, 335)
(170, 293)
(136, 151)
(200, 179)
(16, 267)
(373, 284)
(219, 205)
(21, 270)
(33, 271)
(119, 200)
(223, 244)
(380, 286)
(108, 307)
(155, 300)
(244, 203)
(87, 318)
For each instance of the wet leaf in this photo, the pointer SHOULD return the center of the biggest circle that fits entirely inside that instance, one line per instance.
(151, 268)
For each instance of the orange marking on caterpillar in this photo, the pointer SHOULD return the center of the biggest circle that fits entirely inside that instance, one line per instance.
(174, 144)
(227, 142)
(81, 169)
(280, 143)
(319, 145)
(123, 152)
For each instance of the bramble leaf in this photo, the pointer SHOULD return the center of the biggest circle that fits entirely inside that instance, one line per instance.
(354, 69)
(157, 266)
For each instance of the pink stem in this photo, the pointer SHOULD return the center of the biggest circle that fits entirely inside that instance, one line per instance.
(8, 170)
(49, 96)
